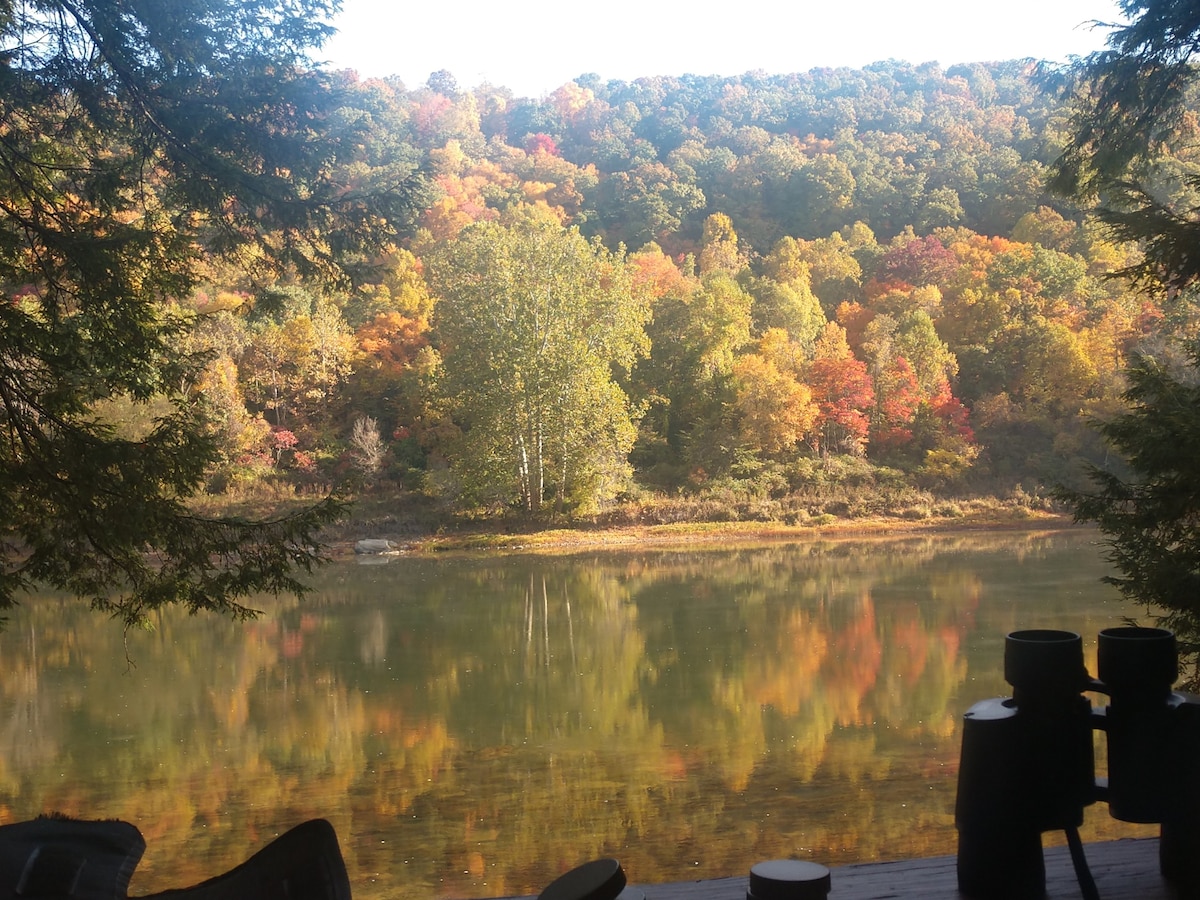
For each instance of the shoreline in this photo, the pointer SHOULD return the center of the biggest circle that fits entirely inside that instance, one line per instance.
(565, 539)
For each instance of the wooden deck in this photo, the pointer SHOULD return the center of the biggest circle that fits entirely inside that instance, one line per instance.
(1123, 870)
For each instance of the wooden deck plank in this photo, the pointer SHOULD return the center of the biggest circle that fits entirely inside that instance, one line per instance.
(1123, 870)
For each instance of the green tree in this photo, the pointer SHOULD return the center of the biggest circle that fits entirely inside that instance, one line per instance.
(532, 319)
(719, 247)
(783, 296)
(644, 204)
(1134, 108)
(1149, 511)
(836, 274)
(718, 324)
(917, 341)
(139, 140)
(292, 368)
(788, 305)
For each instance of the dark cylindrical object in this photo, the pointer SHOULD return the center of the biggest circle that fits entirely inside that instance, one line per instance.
(1137, 667)
(990, 770)
(1001, 866)
(1179, 848)
(1044, 665)
(600, 879)
(1179, 856)
(1134, 660)
(1026, 766)
(1045, 668)
(788, 879)
(999, 843)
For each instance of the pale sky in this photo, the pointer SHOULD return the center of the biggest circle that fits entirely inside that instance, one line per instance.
(534, 46)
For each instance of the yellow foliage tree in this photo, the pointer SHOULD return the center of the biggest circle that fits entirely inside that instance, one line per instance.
(774, 410)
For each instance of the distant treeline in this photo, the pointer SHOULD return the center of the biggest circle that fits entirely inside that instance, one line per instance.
(683, 284)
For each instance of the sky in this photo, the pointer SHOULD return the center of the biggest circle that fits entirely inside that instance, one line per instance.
(534, 46)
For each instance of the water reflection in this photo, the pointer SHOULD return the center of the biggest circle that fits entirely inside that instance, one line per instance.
(473, 727)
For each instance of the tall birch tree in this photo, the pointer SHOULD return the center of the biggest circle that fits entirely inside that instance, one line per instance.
(533, 323)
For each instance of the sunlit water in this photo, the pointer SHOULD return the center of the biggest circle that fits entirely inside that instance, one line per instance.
(473, 727)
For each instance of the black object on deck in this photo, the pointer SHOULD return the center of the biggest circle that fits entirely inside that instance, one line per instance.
(56, 858)
(1027, 763)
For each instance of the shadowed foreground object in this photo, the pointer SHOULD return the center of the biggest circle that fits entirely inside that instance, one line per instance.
(1028, 766)
(56, 857)
(1124, 870)
(306, 864)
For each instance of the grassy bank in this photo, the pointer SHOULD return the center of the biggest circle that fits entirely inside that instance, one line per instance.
(418, 523)
(416, 528)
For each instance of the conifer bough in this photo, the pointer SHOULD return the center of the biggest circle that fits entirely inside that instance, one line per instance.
(1135, 110)
(138, 140)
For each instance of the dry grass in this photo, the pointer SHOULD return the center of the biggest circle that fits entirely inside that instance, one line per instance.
(421, 525)
(691, 533)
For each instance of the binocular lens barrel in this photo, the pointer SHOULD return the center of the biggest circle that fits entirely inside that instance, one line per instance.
(1044, 663)
(1137, 667)
(1138, 660)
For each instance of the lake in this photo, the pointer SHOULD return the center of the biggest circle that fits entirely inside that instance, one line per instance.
(474, 726)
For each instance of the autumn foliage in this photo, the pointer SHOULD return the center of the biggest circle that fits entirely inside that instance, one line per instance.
(859, 263)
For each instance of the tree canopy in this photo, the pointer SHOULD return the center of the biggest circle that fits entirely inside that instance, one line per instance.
(1136, 106)
(138, 143)
(533, 320)
(1129, 144)
(1150, 518)
(218, 260)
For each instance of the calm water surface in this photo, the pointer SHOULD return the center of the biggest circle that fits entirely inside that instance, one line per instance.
(473, 727)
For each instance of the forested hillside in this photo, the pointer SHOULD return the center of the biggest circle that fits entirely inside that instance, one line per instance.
(738, 286)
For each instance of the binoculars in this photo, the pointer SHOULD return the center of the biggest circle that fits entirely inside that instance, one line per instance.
(1028, 761)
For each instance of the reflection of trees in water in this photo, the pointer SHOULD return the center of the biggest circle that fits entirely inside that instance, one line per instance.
(473, 728)
(538, 653)
(27, 732)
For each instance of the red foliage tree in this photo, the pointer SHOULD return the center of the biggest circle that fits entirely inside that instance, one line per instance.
(898, 397)
(541, 143)
(949, 410)
(919, 262)
(843, 390)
